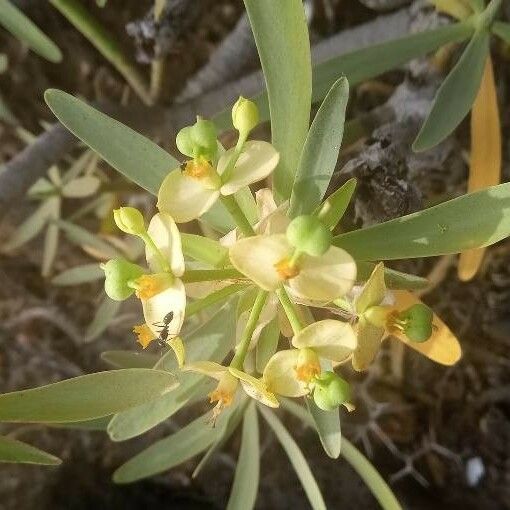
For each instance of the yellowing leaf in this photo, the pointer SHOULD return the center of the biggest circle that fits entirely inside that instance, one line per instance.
(442, 347)
(485, 166)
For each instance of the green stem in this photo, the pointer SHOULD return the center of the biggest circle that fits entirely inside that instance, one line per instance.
(209, 275)
(213, 298)
(158, 68)
(238, 215)
(101, 38)
(486, 18)
(225, 176)
(253, 319)
(290, 310)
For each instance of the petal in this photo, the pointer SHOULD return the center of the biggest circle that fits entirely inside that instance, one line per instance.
(330, 339)
(184, 198)
(273, 219)
(373, 291)
(209, 368)
(256, 257)
(369, 342)
(442, 347)
(255, 388)
(324, 278)
(280, 374)
(166, 236)
(199, 290)
(156, 308)
(255, 163)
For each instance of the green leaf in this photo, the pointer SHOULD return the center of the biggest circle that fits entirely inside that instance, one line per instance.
(129, 359)
(281, 35)
(133, 155)
(4, 63)
(51, 241)
(98, 424)
(78, 275)
(320, 152)
(246, 480)
(171, 451)
(212, 341)
(204, 249)
(502, 30)
(474, 220)
(333, 208)
(6, 115)
(267, 344)
(456, 94)
(105, 313)
(85, 397)
(395, 280)
(14, 451)
(296, 458)
(21, 27)
(327, 423)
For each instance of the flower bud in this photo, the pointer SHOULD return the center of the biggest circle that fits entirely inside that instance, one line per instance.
(129, 220)
(331, 391)
(417, 322)
(118, 272)
(204, 139)
(309, 235)
(245, 115)
(184, 142)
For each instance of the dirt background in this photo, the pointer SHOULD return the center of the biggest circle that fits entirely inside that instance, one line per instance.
(426, 427)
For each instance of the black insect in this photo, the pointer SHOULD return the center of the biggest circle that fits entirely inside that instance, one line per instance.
(163, 332)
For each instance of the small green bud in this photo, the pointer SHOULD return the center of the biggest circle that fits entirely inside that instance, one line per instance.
(245, 115)
(309, 235)
(129, 220)
(417, 322)
(331, 391)
(118, 272)
(184, 142)
(204, 138)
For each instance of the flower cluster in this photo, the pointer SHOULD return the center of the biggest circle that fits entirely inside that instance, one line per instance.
(291, 271)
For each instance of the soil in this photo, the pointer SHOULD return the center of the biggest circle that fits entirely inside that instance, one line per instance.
(426, 427)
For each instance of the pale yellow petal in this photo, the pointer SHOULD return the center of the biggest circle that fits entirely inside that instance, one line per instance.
(166, 236)
(373, 291)
(272, 219)
(209, 368)
(442, 347)
(255, 163)
(155, 309)
(330, 339)
(324, 278)
(184, 198)
(280, 374)
(255, 388)
(369, 343)
(257, 256)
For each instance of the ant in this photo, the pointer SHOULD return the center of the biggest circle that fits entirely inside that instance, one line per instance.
(163, 332)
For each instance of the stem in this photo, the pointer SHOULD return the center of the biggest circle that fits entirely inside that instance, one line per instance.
(209, 275)
(486, 17)
(242, 349)
(225, 176)
(213, 298)
(101, 38)
(238, 215)
(290, 310)
(159, 65)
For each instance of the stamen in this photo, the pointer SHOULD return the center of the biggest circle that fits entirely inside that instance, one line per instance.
(286, 269)
(144, 335)
(148, 285)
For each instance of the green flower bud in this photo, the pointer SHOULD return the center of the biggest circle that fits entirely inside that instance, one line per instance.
(204, 138)
(309, 235)
(417, 322)
(118, 272)
(184, 141)
(129, 220)
(331, 391)
(245, 115)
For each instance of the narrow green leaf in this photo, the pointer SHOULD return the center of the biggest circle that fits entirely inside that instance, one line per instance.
(98, 424)
(50, 243)
(4, 63)
(296, 458)
(395, 280)
(320, 152)
(267, 344)
(78, 275)
(14, 451)
(129, 359)
(204, 249)
(333, 208)
(171, 451)
(246, 480)
(502, 30)
(21, 27)
(474, 220)
(281, 35)
(212, 341)
(456, 94)
(85, 397)
(6, 114)
(133, 155)
(105, 313)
